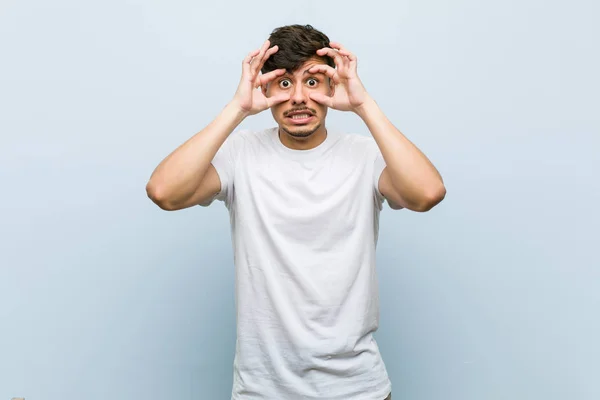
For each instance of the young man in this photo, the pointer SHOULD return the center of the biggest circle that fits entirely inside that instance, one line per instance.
(304, 202)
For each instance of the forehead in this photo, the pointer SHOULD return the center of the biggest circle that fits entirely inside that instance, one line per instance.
(303, 69)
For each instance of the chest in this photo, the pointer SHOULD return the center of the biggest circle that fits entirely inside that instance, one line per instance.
(303, 199)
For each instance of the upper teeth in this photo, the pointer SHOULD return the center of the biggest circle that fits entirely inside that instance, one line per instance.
(299, 116)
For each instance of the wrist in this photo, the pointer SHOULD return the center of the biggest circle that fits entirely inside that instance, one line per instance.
(237, 112)
(366, 107)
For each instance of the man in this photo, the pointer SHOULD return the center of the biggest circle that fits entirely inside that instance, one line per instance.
(304, 203)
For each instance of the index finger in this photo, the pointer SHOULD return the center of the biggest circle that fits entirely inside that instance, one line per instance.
(325, 69)
(268, 77)
(342, 50)
(266, 56)
(337, 58)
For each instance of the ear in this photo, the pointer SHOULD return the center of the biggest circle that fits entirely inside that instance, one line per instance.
(331, 87)
(263, 88)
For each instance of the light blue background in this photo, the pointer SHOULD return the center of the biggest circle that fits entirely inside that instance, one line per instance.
(494, 294)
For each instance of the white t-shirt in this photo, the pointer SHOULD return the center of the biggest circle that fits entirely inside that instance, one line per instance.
(304, 228)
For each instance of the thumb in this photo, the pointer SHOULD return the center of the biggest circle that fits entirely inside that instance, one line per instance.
(322, 99)
(280, 98)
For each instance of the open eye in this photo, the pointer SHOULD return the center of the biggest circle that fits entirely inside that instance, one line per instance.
(285, 83)
(312, 82)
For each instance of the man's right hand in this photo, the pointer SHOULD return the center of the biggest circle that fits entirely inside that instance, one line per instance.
(249, 96)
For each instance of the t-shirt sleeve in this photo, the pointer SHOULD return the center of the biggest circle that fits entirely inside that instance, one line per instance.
(378, 166)
(376, 158)
(224, 162)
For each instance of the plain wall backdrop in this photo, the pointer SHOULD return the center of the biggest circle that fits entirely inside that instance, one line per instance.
(494, 294)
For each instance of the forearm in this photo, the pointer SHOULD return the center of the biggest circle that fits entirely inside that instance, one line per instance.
(411, 172)
(177, 177)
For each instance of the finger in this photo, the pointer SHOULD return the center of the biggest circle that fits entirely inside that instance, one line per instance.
(327, 70)
(269, 76)
(349, 58)
(280, 98)
(268, 54)
(339, 48)
(257, 54)
(337, 58)
(342, 50)
(251, 55)
(345, 56)
(248, 60)
(322, 99)
(258, 59)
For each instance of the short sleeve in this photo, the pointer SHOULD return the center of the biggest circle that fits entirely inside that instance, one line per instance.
(377, 164)
(378, 167)
(224, 162)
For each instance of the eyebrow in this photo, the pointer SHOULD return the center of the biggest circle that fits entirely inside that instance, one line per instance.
(305, 72)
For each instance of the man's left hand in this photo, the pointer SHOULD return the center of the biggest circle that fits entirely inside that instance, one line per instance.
(349, 92)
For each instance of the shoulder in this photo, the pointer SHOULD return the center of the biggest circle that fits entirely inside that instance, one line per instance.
(356, 139)
(360, 143)
(242, 141)
(250, 136)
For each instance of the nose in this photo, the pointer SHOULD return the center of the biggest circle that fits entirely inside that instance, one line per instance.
(298, 95)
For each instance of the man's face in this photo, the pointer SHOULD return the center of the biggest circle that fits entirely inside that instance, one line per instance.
(300, 116)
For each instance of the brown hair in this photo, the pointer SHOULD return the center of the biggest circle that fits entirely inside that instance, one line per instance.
(297, 44)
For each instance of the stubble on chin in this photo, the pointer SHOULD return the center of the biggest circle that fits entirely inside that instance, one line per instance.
(301, 133)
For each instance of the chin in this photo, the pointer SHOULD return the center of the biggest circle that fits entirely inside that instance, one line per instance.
(300, 131)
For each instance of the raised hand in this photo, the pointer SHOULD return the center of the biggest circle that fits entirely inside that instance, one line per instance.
(249, 97)
(349, 92)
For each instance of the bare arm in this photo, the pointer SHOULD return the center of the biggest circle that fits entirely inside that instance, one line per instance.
(186, 177)
(178, 181)
(409, 179)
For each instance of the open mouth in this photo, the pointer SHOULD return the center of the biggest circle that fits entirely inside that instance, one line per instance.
(300, 118)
